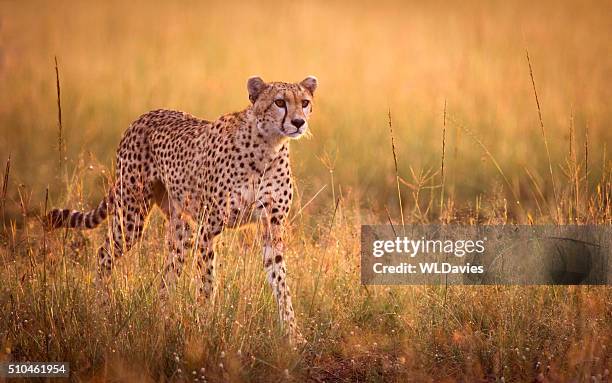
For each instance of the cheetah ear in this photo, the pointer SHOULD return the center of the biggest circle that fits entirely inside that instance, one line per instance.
(255, 86)
(310, 83)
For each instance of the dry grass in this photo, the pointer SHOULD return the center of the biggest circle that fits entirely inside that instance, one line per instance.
(468, 147)
(48, 301)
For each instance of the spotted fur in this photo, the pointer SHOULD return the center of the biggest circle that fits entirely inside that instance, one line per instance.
(206, 176)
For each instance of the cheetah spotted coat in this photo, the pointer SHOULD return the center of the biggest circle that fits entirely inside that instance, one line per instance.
(205, 177)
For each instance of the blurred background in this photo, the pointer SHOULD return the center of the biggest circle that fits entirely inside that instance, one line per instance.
(119, 59)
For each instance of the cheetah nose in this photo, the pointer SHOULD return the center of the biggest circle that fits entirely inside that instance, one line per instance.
(297, 122)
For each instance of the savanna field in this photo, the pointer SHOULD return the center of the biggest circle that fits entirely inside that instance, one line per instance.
(481, 134)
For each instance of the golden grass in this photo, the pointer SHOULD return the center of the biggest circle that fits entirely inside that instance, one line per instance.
(51, 312)
(461, 92)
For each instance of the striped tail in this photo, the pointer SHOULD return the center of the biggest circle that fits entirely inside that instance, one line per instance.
(74, 219)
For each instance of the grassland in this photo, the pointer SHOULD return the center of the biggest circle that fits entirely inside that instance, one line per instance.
(455, 84)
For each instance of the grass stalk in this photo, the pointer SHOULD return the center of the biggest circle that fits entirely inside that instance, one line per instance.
(60, 138)
(552, 178)
(296, 215)
(538, 193)
(586, 162)
(575, 171)
(442, 162)
(397, 177)
(5, 180)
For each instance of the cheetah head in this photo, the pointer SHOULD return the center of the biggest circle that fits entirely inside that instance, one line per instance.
(281, 109)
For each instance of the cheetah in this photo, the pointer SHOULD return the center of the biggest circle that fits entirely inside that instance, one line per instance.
(206, 176)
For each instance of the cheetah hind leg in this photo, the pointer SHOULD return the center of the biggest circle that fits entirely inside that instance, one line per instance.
(179, 242)
(124, 231)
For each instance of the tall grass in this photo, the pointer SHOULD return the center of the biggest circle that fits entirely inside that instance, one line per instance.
(51, 310)
(405, 57)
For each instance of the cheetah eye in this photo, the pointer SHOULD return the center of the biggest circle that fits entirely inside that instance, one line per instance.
(280, 103)
(305, 103)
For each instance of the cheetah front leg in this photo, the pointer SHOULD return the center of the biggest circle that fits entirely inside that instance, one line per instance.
(274, 265)
(206, 264)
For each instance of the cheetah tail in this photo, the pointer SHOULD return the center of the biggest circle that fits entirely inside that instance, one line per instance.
(74, 219)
